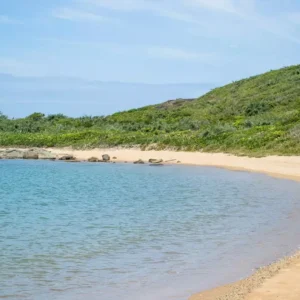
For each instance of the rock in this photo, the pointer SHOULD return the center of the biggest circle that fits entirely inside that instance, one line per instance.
(105, 157)
(68, 157)
(30, 154)
(155, 161)
(179, 162)
(44, 154)
(13, 154)
(139, 162)
(114, 157)
(93, 159)
(34, 153)
(37, 153)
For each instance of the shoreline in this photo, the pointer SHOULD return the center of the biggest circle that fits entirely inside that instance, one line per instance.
(287, 167)
(280, 280)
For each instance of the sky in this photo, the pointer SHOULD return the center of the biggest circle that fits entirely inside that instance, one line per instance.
(96, 57)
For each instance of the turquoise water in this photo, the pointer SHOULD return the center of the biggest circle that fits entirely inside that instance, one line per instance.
(118, 231)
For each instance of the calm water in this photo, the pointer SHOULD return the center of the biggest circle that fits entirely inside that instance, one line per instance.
(113, 231)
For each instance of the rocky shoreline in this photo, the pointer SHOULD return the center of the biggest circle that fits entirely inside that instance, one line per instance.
(34, 153)
(43, 154)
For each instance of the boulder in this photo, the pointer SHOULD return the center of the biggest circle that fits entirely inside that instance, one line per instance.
(139, 162)
(155, 161)
(105, 157)
(30, 154)
(34, 153)
(45, 154)
(114, 157)
(93, 159)
(13, 154)
(68, 158)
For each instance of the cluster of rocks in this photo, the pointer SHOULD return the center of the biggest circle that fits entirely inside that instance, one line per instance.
(27, 154)
(105, 158)
(38, 153)
(151, 161)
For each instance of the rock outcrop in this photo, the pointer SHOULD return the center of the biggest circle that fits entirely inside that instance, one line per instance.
(45, 154)
(31, 154)
(34, 153)
(12, 154)
(139, 162)
(67, 157)
(155, 161)
(93, 159)
(105, 157)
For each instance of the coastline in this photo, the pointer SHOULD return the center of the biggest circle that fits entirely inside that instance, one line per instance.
(277, 166)
(279, 280)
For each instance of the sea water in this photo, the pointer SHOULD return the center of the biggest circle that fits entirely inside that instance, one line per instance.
(122, 231)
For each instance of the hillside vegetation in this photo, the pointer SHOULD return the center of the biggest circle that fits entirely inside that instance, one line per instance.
(255, 116)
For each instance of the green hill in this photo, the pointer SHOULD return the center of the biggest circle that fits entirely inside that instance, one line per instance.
(255, 116)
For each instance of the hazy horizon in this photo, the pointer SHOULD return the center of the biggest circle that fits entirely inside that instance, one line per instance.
(98, 56)
(21, 96)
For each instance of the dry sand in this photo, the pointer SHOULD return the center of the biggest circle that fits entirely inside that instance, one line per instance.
(279, 281)
(279, 166)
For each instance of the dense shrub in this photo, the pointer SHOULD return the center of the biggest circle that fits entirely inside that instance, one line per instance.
(257, 116)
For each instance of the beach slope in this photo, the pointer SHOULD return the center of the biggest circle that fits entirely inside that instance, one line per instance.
(278, 281)
(279, 166)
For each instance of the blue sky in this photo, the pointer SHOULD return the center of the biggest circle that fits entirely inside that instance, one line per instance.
(195, 44)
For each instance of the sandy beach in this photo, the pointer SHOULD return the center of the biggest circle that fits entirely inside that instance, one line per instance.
(278, 166)
(278, 281)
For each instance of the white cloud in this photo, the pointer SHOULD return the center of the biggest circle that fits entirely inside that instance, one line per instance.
(248, 12)
(193, 12)
(184, 17)
(232, 6)
(126, 5)
(294, 17)
(179, 54)
(16, 67)
(238, 7)
(223, 5)
(8, 20)
(78, 15)
(169, 9)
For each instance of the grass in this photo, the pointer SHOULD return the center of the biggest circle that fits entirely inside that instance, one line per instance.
(256, 116)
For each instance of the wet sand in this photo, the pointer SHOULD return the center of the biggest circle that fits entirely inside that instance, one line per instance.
(279, 281)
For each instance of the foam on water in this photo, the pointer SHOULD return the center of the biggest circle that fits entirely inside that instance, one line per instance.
(114, 231)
